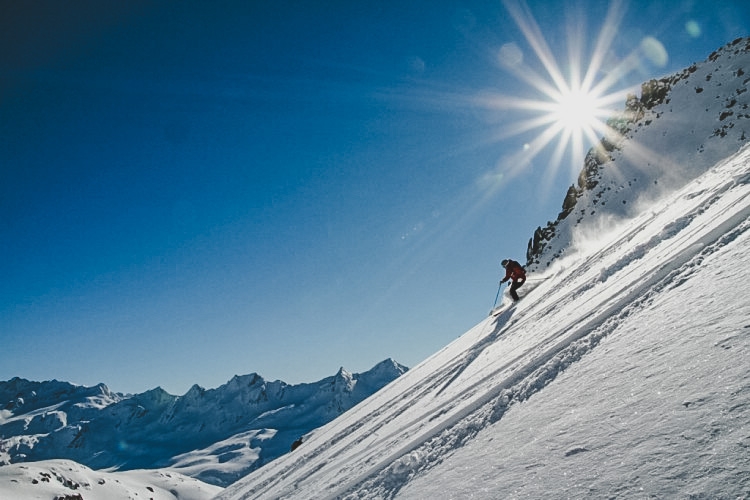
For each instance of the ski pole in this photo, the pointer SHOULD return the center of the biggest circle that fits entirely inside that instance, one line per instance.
(499, 286)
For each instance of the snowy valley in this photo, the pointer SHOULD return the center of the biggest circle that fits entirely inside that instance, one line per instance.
(622, 372)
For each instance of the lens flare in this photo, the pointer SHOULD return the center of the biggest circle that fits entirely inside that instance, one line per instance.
(571, 111)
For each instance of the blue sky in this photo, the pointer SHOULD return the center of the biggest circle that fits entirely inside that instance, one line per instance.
(206, 189)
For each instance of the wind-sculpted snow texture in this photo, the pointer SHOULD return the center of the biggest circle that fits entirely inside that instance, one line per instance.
(622, 374)
(216, 435)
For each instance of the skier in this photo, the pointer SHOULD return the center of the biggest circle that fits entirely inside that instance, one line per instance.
(513, 271)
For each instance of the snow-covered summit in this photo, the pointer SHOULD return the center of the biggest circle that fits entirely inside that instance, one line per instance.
(21, 394)
(101, 429)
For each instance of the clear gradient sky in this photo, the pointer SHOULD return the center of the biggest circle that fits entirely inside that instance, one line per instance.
(193, 190)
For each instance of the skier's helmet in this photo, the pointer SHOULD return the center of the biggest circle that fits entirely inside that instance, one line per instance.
(504, 262)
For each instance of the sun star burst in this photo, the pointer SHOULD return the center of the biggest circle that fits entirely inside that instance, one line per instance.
(575, 110)
(572, 106)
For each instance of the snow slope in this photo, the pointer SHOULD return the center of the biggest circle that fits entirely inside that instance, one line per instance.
(635, 354)
(68, 480)
(621, 374)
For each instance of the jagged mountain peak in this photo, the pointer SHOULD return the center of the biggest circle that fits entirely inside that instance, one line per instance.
(249, 380)
(343, 381)
(343, 374)
(195, 392)
(156, 396)
(388, 366)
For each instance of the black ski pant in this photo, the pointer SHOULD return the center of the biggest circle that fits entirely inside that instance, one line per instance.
(515, 286)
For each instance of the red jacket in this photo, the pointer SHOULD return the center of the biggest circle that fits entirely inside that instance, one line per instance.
(514, 271)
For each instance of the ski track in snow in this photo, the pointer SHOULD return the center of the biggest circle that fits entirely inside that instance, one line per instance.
(680, 259)
(506, 359)
(661, 407)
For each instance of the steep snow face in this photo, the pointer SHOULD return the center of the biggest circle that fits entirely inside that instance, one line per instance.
(622, 372)
(623, 375)
(658, 410)
(678, 128)
(217, 435)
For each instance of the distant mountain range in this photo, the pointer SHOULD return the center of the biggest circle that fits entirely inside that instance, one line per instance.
(215, 435)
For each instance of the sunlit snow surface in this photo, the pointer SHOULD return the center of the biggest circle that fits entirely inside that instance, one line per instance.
(65, 479)
(623, 374)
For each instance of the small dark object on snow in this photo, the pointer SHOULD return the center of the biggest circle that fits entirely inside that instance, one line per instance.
(296, 444)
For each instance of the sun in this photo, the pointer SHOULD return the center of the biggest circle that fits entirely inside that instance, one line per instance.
(575, 111)
(577, 115)
(571, 99)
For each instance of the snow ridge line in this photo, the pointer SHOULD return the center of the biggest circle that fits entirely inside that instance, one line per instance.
(393, 472)
(374, 420)
(725, 169)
